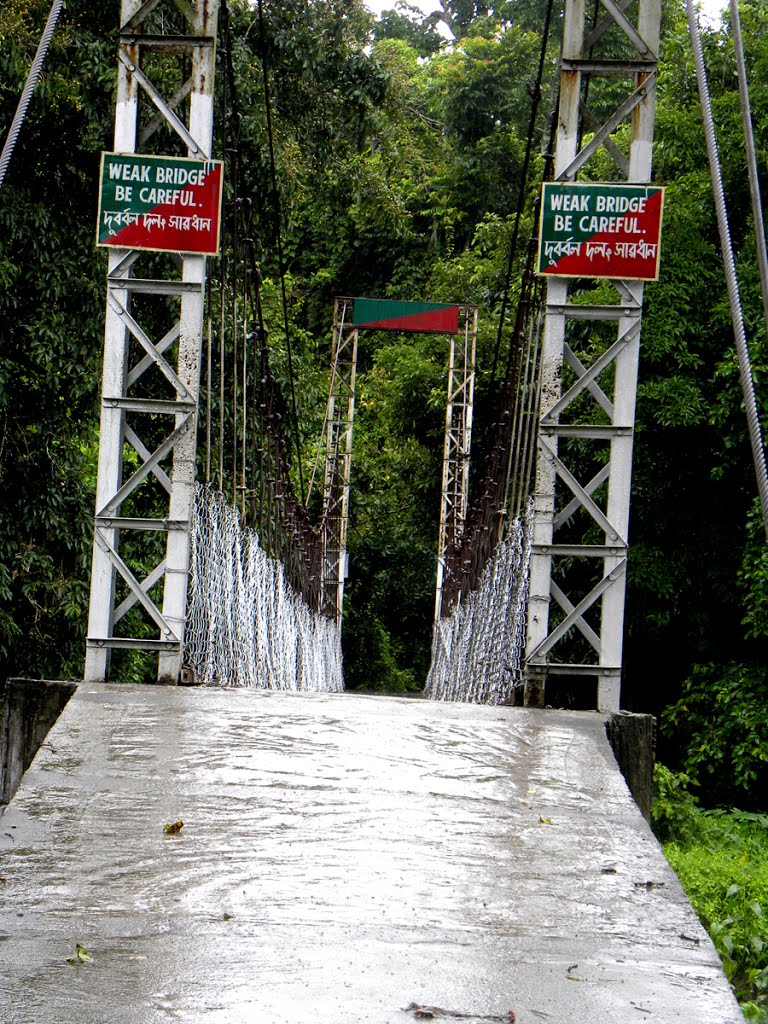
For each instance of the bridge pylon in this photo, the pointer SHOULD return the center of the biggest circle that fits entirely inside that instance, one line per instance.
(152, 342)
(585, 437)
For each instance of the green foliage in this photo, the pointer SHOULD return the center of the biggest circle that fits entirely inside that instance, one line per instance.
(721, 725)
(51, 326)
(674, 811)
(407, 23)
(721, 858)
(394, 505)
(753, 576)
(729, 889)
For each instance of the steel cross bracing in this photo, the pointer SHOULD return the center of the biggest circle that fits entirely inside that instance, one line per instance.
(584, 460)
(151, 370)
(454, 498)
(338, 458)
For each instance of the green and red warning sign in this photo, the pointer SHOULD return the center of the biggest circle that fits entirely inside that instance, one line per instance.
(609, 230)
(419, 317)
(168, 204)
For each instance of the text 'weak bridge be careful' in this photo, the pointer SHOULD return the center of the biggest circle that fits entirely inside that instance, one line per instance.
(342, 859)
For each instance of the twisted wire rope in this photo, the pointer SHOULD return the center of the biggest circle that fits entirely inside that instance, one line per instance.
(29, 88)
(732, 284)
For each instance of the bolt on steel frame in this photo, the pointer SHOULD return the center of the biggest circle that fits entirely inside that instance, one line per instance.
(570, 513)
(454, 496)
(125, 460)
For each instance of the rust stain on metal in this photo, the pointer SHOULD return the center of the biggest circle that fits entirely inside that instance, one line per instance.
(640, 79)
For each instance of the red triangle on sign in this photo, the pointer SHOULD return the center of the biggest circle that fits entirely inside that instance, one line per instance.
(438, 321)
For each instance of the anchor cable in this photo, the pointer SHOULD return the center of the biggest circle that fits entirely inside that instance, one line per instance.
(29, 88)
(535, 100)
(737, 317)
(279, 238)
(749, 140)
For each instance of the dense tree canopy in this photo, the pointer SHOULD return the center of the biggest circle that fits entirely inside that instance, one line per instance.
(398, 156)
(51, 330)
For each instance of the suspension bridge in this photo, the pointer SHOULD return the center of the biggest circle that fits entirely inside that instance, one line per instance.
(259, 845)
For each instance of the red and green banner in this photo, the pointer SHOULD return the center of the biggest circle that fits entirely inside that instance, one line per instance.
(590, 230)
(168, 204)
(419, 317)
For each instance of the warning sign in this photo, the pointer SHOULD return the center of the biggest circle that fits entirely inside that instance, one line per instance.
(169, 204)
(608, 230)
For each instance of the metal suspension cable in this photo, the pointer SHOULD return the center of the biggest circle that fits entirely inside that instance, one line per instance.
(503, 491)
(234, 306)
(279, 240)
(29, 88)
(535, 100)
(208, 377)
(737, 318)
(222, 275)
(749, 141)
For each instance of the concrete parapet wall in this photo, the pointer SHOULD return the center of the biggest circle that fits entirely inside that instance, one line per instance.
(28, 709)
(633, 741)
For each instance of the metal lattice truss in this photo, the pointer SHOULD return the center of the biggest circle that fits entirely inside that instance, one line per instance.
(454, 499)
(338, 458)
(589, 378)
(145, 486)
(338, 448)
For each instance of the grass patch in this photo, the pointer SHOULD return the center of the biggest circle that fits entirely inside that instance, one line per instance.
(721, 859)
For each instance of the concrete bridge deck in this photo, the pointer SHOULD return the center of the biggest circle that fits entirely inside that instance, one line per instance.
(342, 858)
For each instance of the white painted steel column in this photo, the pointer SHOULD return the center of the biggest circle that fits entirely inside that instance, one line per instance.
(553, 341)
(619, 487)
(346, 479)
(114, 370)
(544, 488)
(108, 481)
(445, 489)
(625, 395)
(340, 416)
(182, 498)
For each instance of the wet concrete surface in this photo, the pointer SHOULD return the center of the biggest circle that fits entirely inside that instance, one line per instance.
(342, 858)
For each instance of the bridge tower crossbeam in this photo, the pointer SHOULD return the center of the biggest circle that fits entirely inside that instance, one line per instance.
(130, 407)
(564, 499)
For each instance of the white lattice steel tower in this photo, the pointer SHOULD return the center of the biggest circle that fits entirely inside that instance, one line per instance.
(152, 351)
(586, 422)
